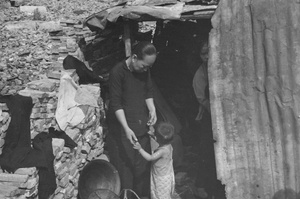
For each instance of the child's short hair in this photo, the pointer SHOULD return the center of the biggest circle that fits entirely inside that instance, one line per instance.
(165, 131)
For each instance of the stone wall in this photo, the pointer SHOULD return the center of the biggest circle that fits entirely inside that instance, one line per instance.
(40, 79)
(68, 162)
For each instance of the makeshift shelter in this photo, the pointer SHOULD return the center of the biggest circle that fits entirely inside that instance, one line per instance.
(254, 95)
(176, 36)
(106, 48)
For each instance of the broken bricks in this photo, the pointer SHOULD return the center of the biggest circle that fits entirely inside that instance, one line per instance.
(25, 48)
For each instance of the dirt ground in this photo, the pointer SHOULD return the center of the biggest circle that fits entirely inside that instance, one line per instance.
(187, 188)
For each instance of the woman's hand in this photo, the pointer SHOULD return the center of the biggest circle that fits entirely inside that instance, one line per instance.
(152, 118)
(131, 136)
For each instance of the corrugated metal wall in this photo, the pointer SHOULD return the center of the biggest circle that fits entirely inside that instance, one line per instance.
(254, 75)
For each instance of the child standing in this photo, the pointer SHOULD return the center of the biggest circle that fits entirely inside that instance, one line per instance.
(162, 173)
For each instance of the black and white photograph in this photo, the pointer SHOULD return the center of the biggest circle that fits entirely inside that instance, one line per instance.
(149, 99)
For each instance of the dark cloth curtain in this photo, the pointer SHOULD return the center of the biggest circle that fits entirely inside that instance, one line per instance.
(85, 75)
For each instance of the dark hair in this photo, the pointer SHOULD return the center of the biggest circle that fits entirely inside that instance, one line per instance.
(202, 44)
(143, 48)
(165, 132)
(81, 42)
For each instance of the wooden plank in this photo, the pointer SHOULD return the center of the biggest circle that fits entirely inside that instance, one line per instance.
(198, 15)
(127, 39)
(218, 123)
(152, 2)
(189, 8)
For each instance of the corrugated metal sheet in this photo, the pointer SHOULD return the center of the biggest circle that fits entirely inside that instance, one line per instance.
(254, 75)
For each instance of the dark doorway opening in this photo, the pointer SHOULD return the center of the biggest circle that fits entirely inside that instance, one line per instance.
(178, 44)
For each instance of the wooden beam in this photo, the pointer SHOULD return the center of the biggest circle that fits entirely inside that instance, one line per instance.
(198, 15)
(127, 39)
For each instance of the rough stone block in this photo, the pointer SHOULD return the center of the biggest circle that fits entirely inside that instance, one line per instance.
(4, 128)
(35, 94)
(103, 157)
(12, 26)
(63, 157)
(67, 150)
(54, 74)
(30, 9)
(49, 26)
(73, 133)
(68, 22)
(70, 190)
(26, 171)
(31, 193)
(57, 145)
(59, 155)
(86, 149)
(72, 169)
(64, 182)
(61, 59)
(4, 117)
(31, 183)
(7, 177)
(62, 173)
(45, 85)
(13, 184)
(1, 143)
(79, 26)
(59, 196)
(8, 191)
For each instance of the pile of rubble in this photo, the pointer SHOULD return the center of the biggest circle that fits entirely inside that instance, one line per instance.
(44, 96)
(28, 51)
(23, 182)
(31, 65)
(31, 50)
(56, 10)
(88, 135)
(22, 52)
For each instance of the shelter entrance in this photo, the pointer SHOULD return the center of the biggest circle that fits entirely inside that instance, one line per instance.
(178, 44)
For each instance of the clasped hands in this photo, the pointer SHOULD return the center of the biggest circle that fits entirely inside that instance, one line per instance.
(131, 135)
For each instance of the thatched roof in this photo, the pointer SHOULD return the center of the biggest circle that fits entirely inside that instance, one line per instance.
(149, 10)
